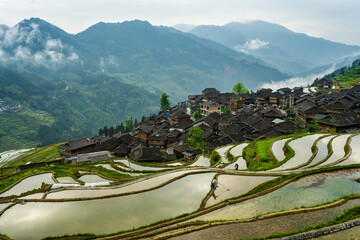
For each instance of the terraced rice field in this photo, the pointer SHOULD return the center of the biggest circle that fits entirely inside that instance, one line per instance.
(337, 145)
(162, 195)
(302, 147)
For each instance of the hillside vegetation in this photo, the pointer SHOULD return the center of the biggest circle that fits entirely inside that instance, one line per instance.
(349, 78)
(107, 74)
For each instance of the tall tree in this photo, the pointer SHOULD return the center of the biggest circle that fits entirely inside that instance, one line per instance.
(196, 140)
(164, 101)
(239, 88)
(129, 126)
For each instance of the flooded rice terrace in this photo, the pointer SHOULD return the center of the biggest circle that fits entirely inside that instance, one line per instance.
(38, 220)
(308, 191)
(29, 184)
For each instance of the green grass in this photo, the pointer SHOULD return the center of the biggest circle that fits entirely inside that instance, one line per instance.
(19, 130)
(258, 154)
(43, 154)
(349, 79)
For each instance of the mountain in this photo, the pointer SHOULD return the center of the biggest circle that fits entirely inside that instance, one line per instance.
(111, 72)
(278, 46)
(161, 58)
(184, 27)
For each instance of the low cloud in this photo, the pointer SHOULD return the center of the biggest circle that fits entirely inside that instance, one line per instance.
(251, 45)
(28, 45)
(296, 81)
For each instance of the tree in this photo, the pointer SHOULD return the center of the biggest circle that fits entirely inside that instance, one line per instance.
(225, 111)
(129, 126)
(197, 115)
(164, 101)
(111, 131)
(136, 122)
(196, 139)
(239, 88)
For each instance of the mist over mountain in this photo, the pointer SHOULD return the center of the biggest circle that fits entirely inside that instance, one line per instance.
(278, 46)
(110, 72)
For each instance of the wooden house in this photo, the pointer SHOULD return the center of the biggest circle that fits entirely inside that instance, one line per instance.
(77, 146)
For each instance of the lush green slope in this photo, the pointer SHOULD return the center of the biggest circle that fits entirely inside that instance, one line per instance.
(107, 74)
(349, 78)
(66, 110)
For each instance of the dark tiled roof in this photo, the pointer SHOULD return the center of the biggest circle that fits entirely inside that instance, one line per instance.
(340, 119)
(181, 125)
(76, 144)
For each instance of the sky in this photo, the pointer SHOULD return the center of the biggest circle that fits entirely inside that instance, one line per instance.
(335, 20)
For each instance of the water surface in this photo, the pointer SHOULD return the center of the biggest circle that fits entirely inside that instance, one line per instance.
(308, 191)
(337, 145)
(29, 184)
(146, 183)
(354, 158)
(234, 185)
(302, 147)
(277, 149)
(322, 151)
(92, 178)
(66, 180)
(138, 167)
(38, 220)
(202, 162)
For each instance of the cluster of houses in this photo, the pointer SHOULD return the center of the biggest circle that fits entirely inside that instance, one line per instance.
(259, 115)
(7, 106)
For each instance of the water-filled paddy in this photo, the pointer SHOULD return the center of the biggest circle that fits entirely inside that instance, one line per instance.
(29, 184)
(222, 152)
(322, 151)
(308, 191)
(38, 220)
(137, 186)
(234, 185)
(354, 158)
(337, 145)
(202, 162)
(302, 147)
(265, 227)
(92, 178)
(277, 149)
(236, 152)
(137, 167)
(66, 180)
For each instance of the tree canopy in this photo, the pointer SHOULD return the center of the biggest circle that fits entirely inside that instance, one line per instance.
(239, 88)
(164, 101)
(196, 139)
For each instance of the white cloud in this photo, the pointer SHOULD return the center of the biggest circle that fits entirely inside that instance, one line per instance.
(251, 45)
(296, 81)
(50, 53)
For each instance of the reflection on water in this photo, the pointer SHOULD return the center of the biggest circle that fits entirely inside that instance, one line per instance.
(92, 178)
(355, 152)
(66, 180)
(136, 166)
(137, 186)
(38, 220)
(232, 185)
(322, 150)
(277, 149)
(302, 147)
(202, 162)
(29, 184)
(337, 145)
(308, 191)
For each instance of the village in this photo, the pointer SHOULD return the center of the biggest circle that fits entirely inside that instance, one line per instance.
(226, 118)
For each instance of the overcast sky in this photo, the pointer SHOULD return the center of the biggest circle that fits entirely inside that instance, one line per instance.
(336, 20)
